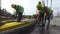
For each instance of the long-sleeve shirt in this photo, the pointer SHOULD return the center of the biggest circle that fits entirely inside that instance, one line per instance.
(19, 9)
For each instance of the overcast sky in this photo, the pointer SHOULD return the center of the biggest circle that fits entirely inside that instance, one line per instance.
(29, 5)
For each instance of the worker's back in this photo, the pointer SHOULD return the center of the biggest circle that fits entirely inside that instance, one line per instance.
(47, 10)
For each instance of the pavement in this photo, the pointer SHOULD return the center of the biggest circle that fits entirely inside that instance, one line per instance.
(51, 30)
(56, 21)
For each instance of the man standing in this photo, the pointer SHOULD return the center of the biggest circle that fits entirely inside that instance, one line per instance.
(19, 11)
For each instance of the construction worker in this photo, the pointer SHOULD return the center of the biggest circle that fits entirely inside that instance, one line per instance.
(19, 11)
(42, 12)
(48, 13)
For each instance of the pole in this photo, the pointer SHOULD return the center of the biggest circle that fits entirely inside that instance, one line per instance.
(51, 3)
(43, 1)
(47, 2)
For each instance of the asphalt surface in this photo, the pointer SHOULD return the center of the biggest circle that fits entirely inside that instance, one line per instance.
(56, 21)
(51, 30)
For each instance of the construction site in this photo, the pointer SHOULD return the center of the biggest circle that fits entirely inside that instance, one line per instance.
(29, 16)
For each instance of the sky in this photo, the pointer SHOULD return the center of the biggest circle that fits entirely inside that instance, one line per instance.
(29, 5)
(0, 3)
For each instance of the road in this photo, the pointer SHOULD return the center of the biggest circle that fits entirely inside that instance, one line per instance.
(56, 21)
(52, 30)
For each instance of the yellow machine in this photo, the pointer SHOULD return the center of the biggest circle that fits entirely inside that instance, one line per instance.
(13, 25)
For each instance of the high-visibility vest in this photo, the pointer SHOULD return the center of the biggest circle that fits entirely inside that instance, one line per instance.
(20, 9)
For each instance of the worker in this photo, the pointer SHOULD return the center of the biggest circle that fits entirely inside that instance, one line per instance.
(19, 11)
(42, 12)
(48, 12)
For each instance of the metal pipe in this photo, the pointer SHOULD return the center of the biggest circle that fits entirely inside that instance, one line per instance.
(51, 3)
(43, 1)
(47, 2)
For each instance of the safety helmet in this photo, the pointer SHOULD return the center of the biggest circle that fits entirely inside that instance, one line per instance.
(39, 2)
(13, 5)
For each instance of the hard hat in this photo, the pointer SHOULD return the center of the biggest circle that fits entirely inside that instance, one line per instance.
(39, 2)
(13, 5)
